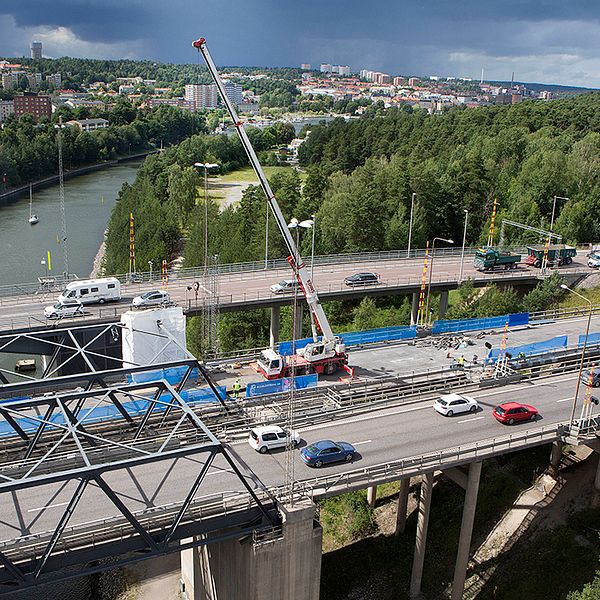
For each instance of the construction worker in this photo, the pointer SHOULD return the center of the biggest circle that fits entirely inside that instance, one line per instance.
(237, 386)
(461, 362)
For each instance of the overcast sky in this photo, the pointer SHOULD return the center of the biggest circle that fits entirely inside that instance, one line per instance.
(549, 41)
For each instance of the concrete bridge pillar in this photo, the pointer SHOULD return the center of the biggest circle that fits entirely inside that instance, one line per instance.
(443, 304)
(274, 328)
(298, 320)
(421, 538)
(371, 496)
(414, 309)
(555, 456)
(402, 506)
(466, 531)
(286, 566)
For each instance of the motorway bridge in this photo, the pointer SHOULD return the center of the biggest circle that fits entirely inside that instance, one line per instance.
(246, 286)
(77, 488)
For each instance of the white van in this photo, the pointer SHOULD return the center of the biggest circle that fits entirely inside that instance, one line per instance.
(88, 291)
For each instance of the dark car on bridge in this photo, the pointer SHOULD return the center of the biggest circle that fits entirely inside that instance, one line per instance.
(326, 451)
(591, 377)
(512, 412)
(362, 279)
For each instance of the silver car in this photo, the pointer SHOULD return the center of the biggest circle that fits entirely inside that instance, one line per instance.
(152, 298)
(594, 260)
(284, 286)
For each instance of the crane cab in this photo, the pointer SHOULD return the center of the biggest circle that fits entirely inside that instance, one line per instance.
(270, 364)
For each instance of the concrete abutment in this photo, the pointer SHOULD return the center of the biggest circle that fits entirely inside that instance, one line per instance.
(285, 566)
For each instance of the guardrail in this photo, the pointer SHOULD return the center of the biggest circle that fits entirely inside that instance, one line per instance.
(187, 273)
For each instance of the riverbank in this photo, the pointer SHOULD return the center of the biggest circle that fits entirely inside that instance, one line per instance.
(69, 174)
(98, 260)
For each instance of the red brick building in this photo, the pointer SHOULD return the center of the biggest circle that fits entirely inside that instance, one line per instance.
(37, 106)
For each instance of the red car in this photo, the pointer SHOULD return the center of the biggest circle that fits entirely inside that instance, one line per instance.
(511, 412)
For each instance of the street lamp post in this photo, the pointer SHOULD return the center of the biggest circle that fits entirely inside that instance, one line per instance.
(312, 259)
(150, 264)
(206, 166)
(410, 223)
(462, 254)
(545, 260)
(431, 269)
(587, 331)
(267, 238)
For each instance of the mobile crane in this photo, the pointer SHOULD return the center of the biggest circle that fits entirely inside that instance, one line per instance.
(320, 356)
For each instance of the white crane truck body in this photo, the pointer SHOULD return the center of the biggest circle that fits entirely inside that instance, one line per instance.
(320, 356)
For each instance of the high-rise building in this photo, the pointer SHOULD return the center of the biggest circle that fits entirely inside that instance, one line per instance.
(326, 68)
(55, 80)
(305, 66)
(34, 80)
(399, 80)
(7, 108)
(233, 91)
(32, 104)
(343, 70)
(413, 81)
(36, 50)
(11, 80)
(202, 96)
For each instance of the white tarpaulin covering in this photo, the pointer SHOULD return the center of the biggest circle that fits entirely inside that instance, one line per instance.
(147, 343)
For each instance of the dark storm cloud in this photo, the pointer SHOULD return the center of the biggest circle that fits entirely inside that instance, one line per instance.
(539, 38)
(101, 21)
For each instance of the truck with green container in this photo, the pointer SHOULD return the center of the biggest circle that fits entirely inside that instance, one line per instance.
(490, 259)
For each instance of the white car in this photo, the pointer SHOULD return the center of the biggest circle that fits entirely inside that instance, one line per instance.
(62, 310)
(152, 298)
(594, 260)
(284, 286)
(452, 404)
(269, 437)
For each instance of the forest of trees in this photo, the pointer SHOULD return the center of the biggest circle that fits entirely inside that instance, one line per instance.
(28, 150)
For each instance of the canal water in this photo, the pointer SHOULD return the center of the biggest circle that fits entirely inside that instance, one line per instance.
(89, 200)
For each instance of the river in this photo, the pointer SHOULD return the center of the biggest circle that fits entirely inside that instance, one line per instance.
(89, 200)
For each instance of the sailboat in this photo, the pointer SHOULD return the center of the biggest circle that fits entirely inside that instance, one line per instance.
(33, 219)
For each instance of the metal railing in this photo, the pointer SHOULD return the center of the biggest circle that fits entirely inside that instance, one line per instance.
(245, 268)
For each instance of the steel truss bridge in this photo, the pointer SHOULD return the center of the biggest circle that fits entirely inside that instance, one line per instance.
(84, 488)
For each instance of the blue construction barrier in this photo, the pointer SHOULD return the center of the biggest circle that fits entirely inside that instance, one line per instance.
(593, 339)
(278, 386)
(172, 374)
(555, 343)
(107, 412)
(456, 325)
(355, 338)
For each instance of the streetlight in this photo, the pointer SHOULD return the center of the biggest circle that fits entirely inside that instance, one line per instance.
(431, 269)
(587, 331)
(206, 166)
(412, 207)
(545, 260)
(150, 264)
(462, 254)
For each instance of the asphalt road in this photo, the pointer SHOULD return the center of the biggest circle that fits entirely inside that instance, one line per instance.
(253, 287)
(380, 437)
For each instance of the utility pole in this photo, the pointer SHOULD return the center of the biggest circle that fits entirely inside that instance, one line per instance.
(61, 192)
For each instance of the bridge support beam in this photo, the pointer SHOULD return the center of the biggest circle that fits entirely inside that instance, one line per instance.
(466, 531)
(421, 538)
(285, 565)
(371, 496)
(555, 456)
(402, 506)
(414, 309)
(274, 328)
(443, 304)
(298, 320)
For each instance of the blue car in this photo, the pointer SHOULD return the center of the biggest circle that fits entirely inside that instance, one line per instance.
(326, 451)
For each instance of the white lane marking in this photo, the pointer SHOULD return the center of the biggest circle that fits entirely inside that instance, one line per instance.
(360, 443)
(49, 506)
(471, 419)
(564, 400)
